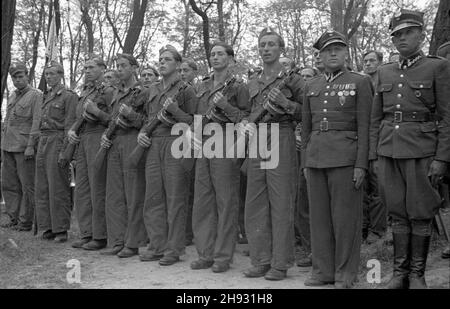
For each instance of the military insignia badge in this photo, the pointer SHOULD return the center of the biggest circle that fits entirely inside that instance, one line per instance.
(342, 100)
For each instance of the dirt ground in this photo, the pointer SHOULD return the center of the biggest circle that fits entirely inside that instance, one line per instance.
(28, 262)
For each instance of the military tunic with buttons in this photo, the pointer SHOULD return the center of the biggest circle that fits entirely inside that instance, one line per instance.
(20, 131)
(335, 135)
(52, 190)
(90, 186)
(410, 127)
(125, 186)
(270, 198)
(216, 203)
(166, 190)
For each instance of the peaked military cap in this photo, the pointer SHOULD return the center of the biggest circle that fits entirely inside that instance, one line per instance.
(129, 57)
(330, 37)
(444, 50)
(17, 67)
(58, 66)
(404, 19)
(271, 31)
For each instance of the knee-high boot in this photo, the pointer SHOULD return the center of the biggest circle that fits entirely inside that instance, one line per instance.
(402, 244)
(419, 252)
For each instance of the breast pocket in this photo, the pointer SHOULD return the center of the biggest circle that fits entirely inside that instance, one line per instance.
(23, 110)
(422, 90)
(57, 111)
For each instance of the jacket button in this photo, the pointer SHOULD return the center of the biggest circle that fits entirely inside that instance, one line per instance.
(400, 85)
(397, 127)
(325, 102)
(399, 96)
(401, 75)
(398, 106)
(325, 110)
(328, 87)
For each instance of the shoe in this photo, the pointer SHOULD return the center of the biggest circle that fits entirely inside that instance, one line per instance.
(275, 274)
(242, 240)
(419, 253)
(220, 267)
(188, 242)
(10, 224)
(402, 255)
(95, 244)
(257, 271)
(48, 235)
(148, 256)
(373, 238)
(128, 252)
(78, 244)
(201, 264)
(168, 260)
(61, 237)
(305, 262)
(113, 251)
(446, 253)
(22, 228)
(316, 282)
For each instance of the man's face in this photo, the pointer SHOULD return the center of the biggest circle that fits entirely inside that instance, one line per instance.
(269, 48)
(92, 71)
(286, 62)
(167, 64)
(318, 62)
(187, 74)
(307, 74)
(148, 77)
(219, 58)
(110, 79)
(20, 80)
(408, 40)
(371, 63)
(333, 57)
(124, 69)
(52, 77)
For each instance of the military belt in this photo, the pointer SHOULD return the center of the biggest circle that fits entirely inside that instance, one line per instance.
(324, 126)
(408, 117)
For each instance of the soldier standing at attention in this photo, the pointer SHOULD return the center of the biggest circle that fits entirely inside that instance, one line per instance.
(335, 117)
(52, 188)
(270, 199)
(166, 191)
(93, 111)
(216, 203)
(410, 134)
(19, 137)
(125, 185)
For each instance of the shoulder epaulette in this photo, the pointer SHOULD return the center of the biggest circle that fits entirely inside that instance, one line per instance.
(436, 57)
(358, 73)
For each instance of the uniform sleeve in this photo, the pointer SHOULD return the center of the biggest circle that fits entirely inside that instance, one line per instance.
(306, 125)
(375, 122)
(138, 117)
(241, 109)
(36, 109)
(187, 107)
(363, 108)
(72, 102)
(442, 89)
(295, 105)
(106, 100)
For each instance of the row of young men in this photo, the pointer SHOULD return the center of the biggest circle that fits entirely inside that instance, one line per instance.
(146, 204)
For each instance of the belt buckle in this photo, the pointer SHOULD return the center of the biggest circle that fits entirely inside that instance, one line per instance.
(323, 125)
(398, 116)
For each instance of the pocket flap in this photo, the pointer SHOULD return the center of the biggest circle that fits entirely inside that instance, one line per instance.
(428, 127)
(421, 84)
(384, 87)
(313, 93)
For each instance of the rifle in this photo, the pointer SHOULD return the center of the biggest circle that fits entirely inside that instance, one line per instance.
(163, 116)
(263, 113)
(78, 126)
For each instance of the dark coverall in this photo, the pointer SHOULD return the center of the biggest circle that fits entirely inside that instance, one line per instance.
(166, 190)
(270, 199)
(52, 190)
(125, 185)
(20, 131)
(90, 186)
(336, 114)
(216, 202)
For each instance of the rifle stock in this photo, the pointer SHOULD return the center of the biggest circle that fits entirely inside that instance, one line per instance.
(102, 152)
(70, 149)
(138, 152)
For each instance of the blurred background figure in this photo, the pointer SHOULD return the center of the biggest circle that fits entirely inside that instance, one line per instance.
(372, 60)
(111, 78)
(394, 57)
(188, 71)
(287, 63)
(149, 75)
(308, 73)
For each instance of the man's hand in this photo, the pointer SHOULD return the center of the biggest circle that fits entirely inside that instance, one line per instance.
(358, 177)
(62, 161)
(125, 110)
(73, 137)
(436, 172)
(373, 164)
(220, 100)
(121, 123)
(305, 173)
(90, 107)
(144, 140)
(277, 97)
(170, 105)
(105, 142)
(29, 153)
(298, 143)
(244, 127)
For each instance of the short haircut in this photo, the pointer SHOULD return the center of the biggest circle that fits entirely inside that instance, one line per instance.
(152, 68)
(54, 64)
(97, 60)
(176, 55)
(191, 63)
(291, 60)
(271, 31)
(376, 52)
(128, 57)
(228, 49)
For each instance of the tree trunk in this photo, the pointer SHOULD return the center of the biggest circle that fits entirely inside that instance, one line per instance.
(337, 15)
(441, 30)
(136, 24)
(8, 15)
(85, 5)
(36, 41)
(205, 19)
(187, 24)
(221, 22)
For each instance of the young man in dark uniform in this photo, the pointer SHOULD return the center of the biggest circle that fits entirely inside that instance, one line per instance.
(335, 135)
(410, 134)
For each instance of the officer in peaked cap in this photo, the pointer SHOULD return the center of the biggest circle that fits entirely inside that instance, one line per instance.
(335, 117)
(410, 136)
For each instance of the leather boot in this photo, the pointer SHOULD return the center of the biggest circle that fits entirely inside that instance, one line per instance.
(419, 253)
(401, 261)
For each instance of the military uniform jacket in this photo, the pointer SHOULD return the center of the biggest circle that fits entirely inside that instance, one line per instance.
(187, 104)
(135, 97)
(21, 124)
(335, 118)
(411, 93)
(259, 89)
(102, 96)
(237, 96)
